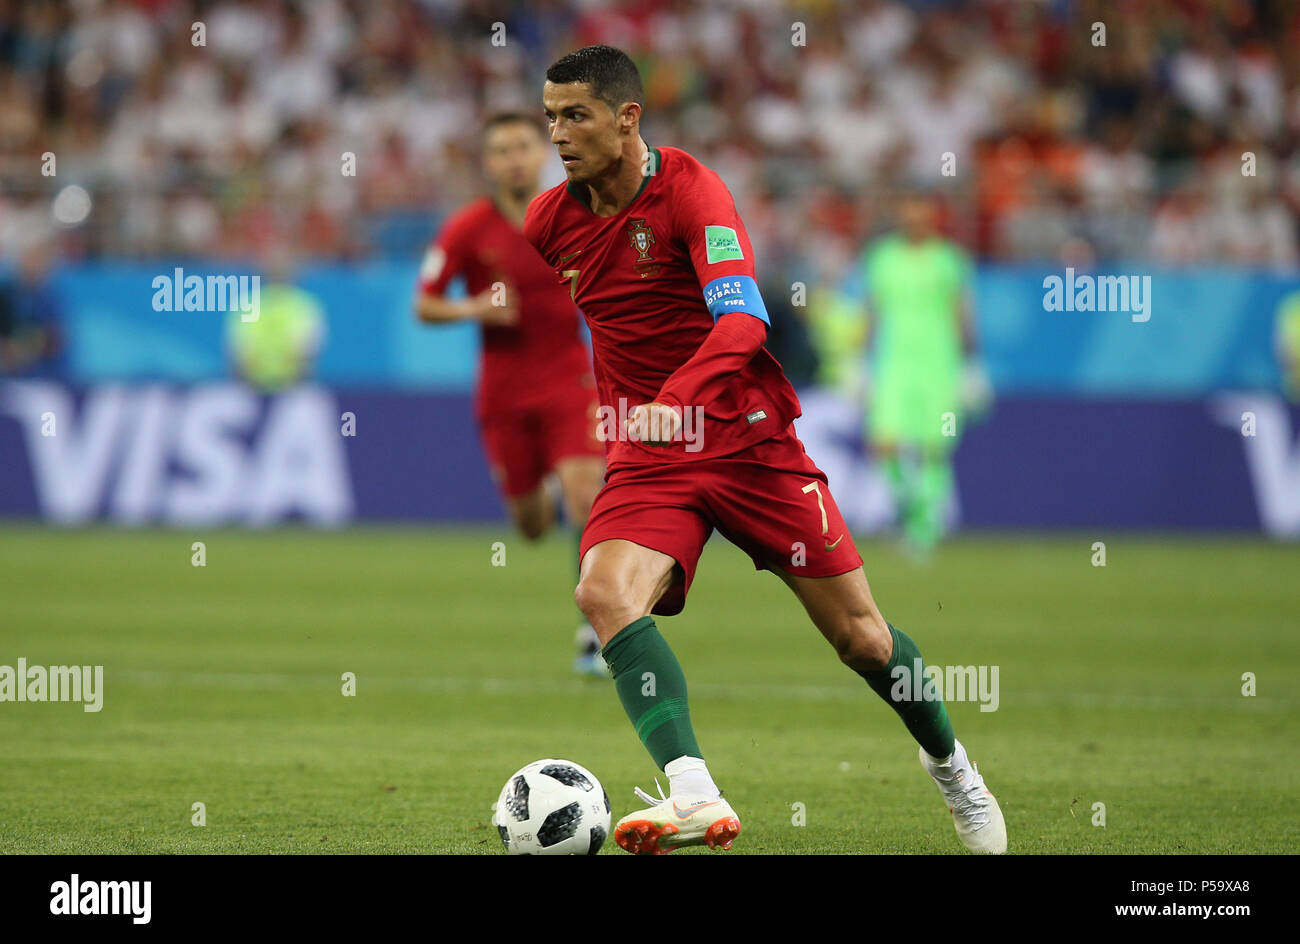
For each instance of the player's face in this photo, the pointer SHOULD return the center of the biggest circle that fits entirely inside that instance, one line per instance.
(916, 217)
(583, 129)
(513, 154)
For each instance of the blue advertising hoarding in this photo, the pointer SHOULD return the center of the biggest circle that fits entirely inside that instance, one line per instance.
(220, 454)
(1206, 330)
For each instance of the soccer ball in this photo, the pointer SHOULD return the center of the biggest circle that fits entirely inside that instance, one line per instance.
(552, 807)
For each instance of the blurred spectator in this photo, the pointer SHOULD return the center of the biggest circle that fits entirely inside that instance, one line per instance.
(30, 315)
(1183, 231)
(1124, 150)
(787, 338)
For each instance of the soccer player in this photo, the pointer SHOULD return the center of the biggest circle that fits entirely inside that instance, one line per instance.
(924, 371)
(536, 398)
(1287, 342)
(699, 437)
(277, 348)
(31, 341)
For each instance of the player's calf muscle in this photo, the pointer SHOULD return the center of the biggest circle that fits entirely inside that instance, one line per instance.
(842, 609)
(859, 636)
(863, 642)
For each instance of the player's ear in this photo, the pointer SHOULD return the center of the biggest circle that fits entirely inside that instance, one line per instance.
(629, 117)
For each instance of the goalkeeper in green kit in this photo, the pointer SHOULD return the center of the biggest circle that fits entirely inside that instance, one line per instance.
(277, 346)
(923, 374)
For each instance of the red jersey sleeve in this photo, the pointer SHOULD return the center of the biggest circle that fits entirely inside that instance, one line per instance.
(536, 226)
(724, 353)
(443, 261)
(705, 219)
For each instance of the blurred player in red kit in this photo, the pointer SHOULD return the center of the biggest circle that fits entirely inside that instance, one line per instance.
(536, 399)
(698, 421)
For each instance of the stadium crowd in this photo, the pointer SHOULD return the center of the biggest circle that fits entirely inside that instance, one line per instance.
(1157, 130)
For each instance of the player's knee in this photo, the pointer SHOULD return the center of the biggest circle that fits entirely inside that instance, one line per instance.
(603, 600)
(531, 520)
(531, 527)
(865, 644)
(594, 596)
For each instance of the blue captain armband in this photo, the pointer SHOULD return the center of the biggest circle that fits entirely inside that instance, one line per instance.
(735, 293)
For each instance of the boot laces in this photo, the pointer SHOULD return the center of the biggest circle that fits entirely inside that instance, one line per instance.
(647, 798)
(967, 799)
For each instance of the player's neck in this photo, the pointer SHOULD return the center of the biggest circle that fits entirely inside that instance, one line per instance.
(512, 208)
(611, 195)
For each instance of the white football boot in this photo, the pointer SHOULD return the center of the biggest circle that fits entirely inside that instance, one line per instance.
(975, 812)
(673, 822)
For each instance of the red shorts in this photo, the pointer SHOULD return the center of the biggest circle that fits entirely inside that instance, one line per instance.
(769, 499)
(523, 446)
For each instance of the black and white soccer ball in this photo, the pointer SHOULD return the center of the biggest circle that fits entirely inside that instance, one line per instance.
(552, 807)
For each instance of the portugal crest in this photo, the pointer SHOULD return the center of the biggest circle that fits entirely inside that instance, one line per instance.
(642, 238)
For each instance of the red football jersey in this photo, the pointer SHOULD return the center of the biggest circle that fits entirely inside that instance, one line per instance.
(651, 281)
(527, 364)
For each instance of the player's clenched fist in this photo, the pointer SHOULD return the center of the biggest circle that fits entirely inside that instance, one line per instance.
(655, 424)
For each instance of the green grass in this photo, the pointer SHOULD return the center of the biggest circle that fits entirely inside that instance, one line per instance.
(1119, 685)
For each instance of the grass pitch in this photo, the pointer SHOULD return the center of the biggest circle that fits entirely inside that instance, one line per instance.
(1119, 685)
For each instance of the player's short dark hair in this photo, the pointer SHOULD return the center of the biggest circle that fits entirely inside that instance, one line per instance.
(512, 117)
(611, 73)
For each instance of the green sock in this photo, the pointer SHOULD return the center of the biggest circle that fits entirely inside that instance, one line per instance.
(926, 719)
(652, 688)
(896, 476)
(935, 493)
(907, 489)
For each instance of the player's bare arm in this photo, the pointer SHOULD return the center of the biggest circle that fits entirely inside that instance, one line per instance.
(495, 307)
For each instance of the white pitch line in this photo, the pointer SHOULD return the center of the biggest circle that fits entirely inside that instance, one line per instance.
(750, 690)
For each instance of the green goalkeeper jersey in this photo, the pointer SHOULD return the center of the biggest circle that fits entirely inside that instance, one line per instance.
(278, 347)
(916, 291)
